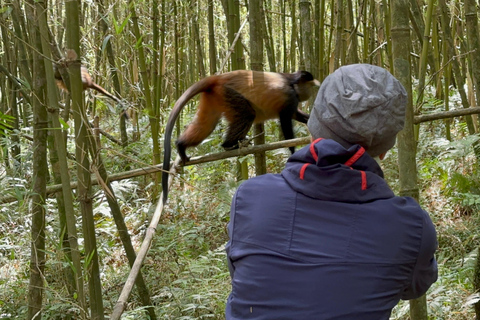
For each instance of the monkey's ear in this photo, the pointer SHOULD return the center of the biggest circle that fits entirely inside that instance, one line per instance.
(302, 76)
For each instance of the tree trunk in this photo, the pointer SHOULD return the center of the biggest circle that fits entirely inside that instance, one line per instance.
(388, 23)
(268, 34)
(212, 50)
(406, 138)
(256, 63)
(18, 19)
(58, 156)
(322, 73)
(425, 52)
(24, 63)
(284, 36)
(417, 18)
(306, 33)
(293, 40)
(459, 79)
(338, 34)
(146, 89)
(199, 53)
(447, 72)
(40, 171)
(81, 154)
(471, 17)
(238, 46)
(103, 26)
(9, 95)
(233, 26)
(352, 42)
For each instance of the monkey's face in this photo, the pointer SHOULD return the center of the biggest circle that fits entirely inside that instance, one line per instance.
(304, 88)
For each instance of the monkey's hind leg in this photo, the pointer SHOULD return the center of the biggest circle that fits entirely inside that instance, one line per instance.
(240, 116)
(201, 127)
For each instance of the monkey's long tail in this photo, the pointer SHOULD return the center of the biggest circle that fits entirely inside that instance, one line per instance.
(98, 88)
(196, 88)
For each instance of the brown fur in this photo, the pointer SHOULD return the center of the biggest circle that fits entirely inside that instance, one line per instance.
(242, 97)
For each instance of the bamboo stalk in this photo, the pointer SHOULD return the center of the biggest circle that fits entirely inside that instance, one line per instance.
(460, 80)
(84, 194)
(424, 56)
(36, 285)
(63, 171)
(407, 166)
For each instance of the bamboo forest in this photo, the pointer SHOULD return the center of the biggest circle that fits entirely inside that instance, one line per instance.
(86, 90)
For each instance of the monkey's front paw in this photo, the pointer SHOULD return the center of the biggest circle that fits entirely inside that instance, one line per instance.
(244, 143)
(184, 161)
(229, 148)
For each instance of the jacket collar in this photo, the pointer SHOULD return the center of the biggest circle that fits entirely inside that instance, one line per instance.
(326, 170)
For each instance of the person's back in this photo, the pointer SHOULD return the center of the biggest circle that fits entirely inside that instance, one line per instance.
(329, 246)
(327, 238)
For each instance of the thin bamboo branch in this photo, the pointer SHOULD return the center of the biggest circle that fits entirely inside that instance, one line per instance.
(105, 183)
(142, 253)
(16, 83)
(446, 115)
(232, 47)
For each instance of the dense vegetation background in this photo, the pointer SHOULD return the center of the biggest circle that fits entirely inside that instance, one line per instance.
(78, 186)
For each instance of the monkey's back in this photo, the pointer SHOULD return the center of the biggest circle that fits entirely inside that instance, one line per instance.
(266, 91)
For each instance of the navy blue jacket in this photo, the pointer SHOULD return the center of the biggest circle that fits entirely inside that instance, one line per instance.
(326, 239)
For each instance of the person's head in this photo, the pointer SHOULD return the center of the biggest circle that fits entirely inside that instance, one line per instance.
(360, 104)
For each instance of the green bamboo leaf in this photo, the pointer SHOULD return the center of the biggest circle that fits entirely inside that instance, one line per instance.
(115, 25)
(105, 42)
(6, 9)
(24, 83)
(124, 24)
(64, 124)
(139, 43)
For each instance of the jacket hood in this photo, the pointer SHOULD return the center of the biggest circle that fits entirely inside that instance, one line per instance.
(326, 170)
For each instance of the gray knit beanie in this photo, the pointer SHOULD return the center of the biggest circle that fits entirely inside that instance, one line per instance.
(360, 104)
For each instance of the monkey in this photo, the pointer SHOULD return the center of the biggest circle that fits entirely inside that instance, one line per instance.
(87, 82)
(242, 97)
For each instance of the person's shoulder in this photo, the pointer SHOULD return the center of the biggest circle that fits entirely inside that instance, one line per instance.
(264, 179)
(411, 208)
(408, 202)
(263, 185)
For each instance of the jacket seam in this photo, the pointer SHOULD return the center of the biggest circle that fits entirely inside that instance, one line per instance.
(232, 236)
(418, 254)
(342, 261)
(353, 230)
(290, 240)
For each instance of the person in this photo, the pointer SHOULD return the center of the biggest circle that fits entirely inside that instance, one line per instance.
(327, 238)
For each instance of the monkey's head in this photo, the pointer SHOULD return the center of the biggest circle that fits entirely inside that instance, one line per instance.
(303, 81)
